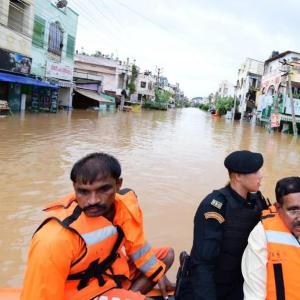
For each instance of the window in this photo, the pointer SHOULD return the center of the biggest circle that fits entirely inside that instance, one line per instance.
(70, 46)
(56, 37)
(38, 32)
(143, 84)
(16, 14)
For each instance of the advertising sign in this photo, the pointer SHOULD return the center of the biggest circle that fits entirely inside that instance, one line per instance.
(275, 120)
(60, 71)
(14, 62)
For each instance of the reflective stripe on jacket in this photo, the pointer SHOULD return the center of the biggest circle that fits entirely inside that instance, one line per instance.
(283, 265)
(103, 266)
(130, 218)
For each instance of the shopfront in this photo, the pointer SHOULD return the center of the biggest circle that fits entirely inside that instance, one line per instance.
(18, 90)
(25, 93)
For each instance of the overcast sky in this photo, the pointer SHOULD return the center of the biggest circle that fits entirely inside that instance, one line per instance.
(197, 43)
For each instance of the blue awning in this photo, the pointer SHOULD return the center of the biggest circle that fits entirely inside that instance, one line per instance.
(25, 80)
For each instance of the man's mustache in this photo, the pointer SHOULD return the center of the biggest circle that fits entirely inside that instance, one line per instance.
(296, 224)
(98, 206)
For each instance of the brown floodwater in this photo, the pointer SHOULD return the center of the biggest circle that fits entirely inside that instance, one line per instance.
(172, 159)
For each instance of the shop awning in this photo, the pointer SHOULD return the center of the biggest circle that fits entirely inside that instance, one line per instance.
(24, 80)
(93, 95)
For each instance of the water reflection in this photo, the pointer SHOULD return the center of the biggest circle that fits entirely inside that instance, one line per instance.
(172, 159)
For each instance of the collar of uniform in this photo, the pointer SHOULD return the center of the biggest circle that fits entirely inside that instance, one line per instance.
(239, 201)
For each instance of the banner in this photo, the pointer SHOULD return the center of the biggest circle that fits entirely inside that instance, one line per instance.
(15, 62)
(59, 70)
(275, 120)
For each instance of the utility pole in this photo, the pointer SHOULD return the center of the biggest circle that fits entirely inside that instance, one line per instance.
(123, 93)
(295, 130)
(157, 79)
(234, 103)
(287, 73)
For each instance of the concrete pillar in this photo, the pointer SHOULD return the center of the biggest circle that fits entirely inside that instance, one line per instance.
(70, 105)
(23, 102)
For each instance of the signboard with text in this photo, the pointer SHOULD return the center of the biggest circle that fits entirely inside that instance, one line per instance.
(60, 71)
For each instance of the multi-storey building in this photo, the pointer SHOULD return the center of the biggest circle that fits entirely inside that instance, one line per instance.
(145, 86)
(110, 75)
(53, 47)
(16, 85)
(279, 70)
(226, 89)
(248, 84)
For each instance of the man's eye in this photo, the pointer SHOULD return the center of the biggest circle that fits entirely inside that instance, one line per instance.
(104, 189)
(82, 192)
(293, 212)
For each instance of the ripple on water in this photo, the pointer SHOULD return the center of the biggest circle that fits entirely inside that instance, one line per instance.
(171, 159)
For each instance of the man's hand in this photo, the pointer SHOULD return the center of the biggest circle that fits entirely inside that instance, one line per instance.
(165, 285)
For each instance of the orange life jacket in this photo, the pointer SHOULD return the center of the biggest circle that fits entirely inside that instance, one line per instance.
(103, 266)
(129, 217)
(283, 281)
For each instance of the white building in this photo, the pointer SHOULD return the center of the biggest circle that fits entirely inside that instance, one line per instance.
(145, 87)
(248, 84)
(226, 89)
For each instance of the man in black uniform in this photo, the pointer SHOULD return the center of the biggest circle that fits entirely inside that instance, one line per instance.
(222, 223)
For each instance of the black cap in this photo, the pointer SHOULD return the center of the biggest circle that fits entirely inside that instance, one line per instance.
(243, 162)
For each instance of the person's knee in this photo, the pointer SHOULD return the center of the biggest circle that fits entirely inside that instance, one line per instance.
(169, 258)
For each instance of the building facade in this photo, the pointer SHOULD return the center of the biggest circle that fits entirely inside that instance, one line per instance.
(16, 84)
(145, 87)
(279, 70)
(248, 84)
(226, 89)
(53, 47)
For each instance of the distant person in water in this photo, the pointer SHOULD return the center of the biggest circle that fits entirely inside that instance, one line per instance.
(92, 242)
(222, 223)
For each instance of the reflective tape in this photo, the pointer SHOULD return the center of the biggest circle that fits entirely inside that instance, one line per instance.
(99, 235)
(150, 263)
(284, 238)
(140, 252)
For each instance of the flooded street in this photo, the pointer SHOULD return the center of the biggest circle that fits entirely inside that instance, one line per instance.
(171, 159)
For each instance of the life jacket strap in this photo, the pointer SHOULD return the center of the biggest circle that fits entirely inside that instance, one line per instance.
(279, 282)
(97, 269)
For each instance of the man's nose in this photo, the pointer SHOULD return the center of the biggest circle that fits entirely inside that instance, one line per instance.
(93, 199)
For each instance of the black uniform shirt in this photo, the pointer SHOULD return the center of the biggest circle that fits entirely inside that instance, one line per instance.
(208, 235)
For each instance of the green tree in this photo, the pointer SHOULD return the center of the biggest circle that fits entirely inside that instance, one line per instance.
(131, 85)
(223, 104)
(162, 96)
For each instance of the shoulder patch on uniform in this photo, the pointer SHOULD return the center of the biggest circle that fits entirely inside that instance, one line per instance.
(216, 203)
(214, 215)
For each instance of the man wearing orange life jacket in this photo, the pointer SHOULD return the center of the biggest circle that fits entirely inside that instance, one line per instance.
(92, 242)
(271, 261)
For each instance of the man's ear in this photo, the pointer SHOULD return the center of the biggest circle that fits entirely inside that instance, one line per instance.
(119, 183)
(277, 205)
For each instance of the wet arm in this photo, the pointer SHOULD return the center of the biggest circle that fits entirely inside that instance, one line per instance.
(52, 250)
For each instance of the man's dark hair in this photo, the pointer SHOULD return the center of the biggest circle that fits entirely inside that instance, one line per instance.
(94, 166)
(285, 186)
